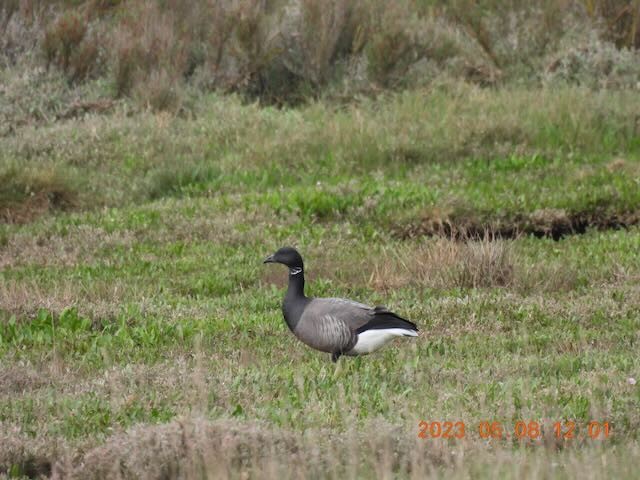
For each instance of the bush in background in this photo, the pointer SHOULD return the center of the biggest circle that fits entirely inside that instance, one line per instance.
(289, 50)
(596, 64)
(69, 44)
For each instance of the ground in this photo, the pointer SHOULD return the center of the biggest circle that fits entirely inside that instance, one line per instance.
(141, 335)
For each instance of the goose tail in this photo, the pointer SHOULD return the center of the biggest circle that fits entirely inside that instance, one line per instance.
(390, 321)
(380, 330)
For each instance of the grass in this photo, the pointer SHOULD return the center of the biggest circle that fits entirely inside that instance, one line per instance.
(169, 349)
(141, 336)
(431, 137)
(148, 317)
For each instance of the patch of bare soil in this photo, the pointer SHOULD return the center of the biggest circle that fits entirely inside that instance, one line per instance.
(36, 205)
(552, 223)
(24, 456)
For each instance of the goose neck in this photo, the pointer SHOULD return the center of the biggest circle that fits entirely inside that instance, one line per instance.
(296, 283)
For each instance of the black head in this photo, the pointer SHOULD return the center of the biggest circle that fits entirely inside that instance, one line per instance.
(288, 256)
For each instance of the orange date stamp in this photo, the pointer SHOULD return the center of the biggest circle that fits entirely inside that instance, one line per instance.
(520, 430)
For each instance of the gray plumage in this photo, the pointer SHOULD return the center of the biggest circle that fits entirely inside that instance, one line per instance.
(335, 325)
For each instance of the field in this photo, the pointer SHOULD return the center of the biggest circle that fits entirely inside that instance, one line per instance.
(141, 336)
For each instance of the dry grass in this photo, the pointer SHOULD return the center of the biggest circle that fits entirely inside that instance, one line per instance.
(194, 447)
(17, 379)
(76, 246)
(26, 299)
(443, 263)
(186, 448)
(446, 263)
(554, 223)
(27, 457)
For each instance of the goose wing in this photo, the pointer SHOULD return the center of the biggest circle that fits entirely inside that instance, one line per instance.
(329, 324)
(333, 324)
(360, 317)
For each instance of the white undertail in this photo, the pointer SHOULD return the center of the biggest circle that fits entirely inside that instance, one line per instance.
(371, 340)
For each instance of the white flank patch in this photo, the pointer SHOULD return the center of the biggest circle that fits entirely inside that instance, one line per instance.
(371, 340)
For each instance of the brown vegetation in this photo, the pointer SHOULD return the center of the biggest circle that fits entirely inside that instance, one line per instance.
(184, 448)
(28, 193)
(489, 262)
(445, 263)
(284, 51)
(194, 447)
(554, 223)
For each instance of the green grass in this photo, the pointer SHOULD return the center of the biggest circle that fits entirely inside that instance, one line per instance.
(454, 148)
(143, 314)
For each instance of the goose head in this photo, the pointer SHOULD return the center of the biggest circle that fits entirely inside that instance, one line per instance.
(288, 256)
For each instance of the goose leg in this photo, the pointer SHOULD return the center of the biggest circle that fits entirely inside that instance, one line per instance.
(335, 356)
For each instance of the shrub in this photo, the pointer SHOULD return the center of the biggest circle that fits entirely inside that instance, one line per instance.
(218, 31)
(160, 91)
(389, 42)
(149, 52)
(125, 62)
(256, 47)
(70, 44)
(63, 37)
(284, 52)
(313, 43)
(515, 38)
(19, 30)
(596, 64)
(403, 47)
(622, 20)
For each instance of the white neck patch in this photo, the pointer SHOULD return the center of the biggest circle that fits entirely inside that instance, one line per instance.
(294, 270)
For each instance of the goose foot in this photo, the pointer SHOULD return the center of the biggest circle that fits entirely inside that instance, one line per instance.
(335, 356)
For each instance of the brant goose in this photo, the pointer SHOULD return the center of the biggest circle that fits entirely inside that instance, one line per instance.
(335, 325)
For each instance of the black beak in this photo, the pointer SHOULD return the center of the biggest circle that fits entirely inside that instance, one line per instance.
(269, 259)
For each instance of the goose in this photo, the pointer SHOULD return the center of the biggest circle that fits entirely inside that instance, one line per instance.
(335, 325)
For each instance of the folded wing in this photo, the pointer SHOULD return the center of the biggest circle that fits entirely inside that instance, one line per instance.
(337, 324)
